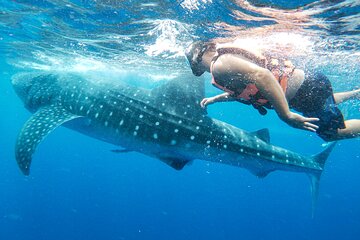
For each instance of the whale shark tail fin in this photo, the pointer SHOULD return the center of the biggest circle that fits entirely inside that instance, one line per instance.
(320, 159)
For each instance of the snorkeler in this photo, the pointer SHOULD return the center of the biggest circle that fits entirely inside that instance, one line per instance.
(266, 81)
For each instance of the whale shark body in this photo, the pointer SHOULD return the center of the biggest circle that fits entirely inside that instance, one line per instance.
(166, 123)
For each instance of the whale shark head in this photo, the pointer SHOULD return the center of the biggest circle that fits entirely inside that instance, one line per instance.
(35, 91)
(56, 99)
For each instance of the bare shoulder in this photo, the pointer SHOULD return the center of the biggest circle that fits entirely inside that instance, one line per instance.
(298, 73)
(296, 80)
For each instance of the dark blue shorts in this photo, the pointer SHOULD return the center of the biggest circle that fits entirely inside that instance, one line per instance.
(315, 98)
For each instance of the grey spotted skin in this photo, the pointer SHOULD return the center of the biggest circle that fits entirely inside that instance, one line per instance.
(166, 123)
(35, 130)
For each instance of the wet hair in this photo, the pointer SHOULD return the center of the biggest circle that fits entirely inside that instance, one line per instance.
(194, 54)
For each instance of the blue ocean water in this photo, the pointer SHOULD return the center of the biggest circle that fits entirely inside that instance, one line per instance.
(79, 189)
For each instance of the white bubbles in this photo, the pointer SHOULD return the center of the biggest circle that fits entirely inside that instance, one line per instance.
(171, 38)
(193, 5)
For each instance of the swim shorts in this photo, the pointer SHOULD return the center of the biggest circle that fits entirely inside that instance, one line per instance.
(315, 99)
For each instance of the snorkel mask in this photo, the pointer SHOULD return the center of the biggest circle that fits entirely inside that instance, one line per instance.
(194, 54)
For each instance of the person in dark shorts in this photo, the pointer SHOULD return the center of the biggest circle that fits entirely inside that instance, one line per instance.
(270, 81)
(315, 98)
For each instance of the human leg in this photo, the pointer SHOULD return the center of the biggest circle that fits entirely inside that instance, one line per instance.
(344, 96)
(352, 127)
(352, 130)
(315, 98)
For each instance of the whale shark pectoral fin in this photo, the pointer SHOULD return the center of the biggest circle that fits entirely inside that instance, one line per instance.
(176, 163)
(263, 134)
(44, 121)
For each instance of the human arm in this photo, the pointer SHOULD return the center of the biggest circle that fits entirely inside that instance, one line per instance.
(268, 86)
(271, 90)
(224, 97)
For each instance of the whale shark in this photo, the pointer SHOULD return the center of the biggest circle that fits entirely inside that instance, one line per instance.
(166, 123)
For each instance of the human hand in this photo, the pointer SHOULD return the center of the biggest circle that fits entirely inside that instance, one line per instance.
(206, 101)
(297, 121)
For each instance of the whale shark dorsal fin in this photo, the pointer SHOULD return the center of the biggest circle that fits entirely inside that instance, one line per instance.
(44, 121)
(181, 96)
(263, 134)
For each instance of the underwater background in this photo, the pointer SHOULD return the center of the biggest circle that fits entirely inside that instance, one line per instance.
(80, 189)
